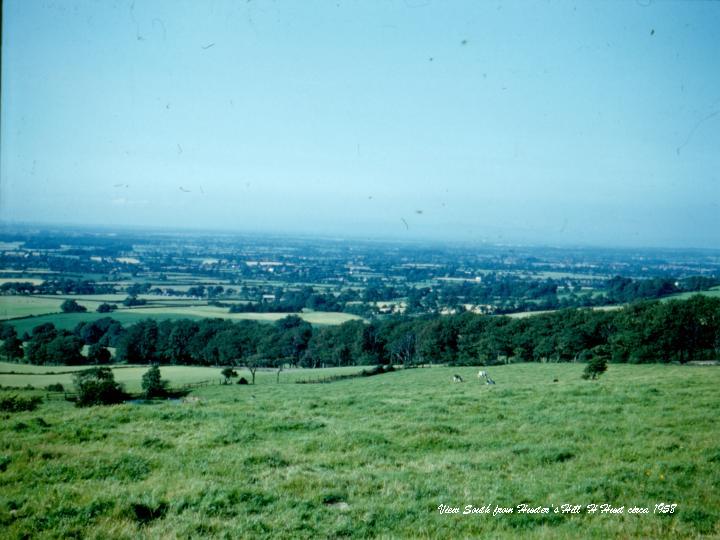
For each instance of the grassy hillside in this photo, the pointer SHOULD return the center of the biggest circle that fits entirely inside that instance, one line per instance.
(375, 457)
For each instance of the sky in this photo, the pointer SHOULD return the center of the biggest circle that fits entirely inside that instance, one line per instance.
(554, 123)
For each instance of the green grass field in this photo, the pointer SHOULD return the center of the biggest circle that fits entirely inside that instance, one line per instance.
(27, 312)
(22, 375)
(23, 306)
(713, 292)
(375, 457)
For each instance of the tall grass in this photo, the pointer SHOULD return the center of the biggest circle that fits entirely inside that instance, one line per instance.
(375, 457)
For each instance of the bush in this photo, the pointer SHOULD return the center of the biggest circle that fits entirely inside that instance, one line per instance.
(17, 403)
(71, 306)
(131, 301)
(55, 387)
(595, 367)
(243, 380)
(377, 370)
(97, 386)
(228, 373)
(152, 383)
(106, 308)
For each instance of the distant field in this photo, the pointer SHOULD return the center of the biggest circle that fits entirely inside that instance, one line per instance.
(22, 306)
(375, 457)
(151, 299)
(524, 314)
(713, 292)
(315, 317)
(68, 321)
(567, 275)
(131, 376)
(34, 281)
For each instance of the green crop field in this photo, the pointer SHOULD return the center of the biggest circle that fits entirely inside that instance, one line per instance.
(375, 457)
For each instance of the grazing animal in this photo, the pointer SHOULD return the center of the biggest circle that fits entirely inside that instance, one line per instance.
(482, 374)
(457, 378)
(490, 381)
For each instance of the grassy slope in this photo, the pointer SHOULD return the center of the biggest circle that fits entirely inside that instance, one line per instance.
(280, 460)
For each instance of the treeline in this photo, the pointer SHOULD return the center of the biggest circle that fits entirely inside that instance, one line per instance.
(513, 294)
(294, 301)
(57, 286)
(677, 330)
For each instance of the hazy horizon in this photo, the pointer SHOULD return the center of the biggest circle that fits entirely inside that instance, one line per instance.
(543, 124)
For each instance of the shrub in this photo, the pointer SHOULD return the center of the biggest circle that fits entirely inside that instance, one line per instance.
(17, 403)
(106, 308)
(228, 373)
(71, 306)
(243, 380)
(595, 367)
(97, 386)
(131, 301)
(55, 387)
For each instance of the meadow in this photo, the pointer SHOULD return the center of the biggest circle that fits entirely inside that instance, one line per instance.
(712, 292)
(374, 457)
(24, 375)
(27, 312)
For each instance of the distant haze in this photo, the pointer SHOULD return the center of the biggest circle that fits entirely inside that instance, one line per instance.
(567, 123)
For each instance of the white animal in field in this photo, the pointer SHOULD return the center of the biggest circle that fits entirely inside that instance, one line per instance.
(457, 378)
(482, 374)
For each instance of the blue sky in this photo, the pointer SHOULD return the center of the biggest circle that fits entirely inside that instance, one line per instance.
(531, 122)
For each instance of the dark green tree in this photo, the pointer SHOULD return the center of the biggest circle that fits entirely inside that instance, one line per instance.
(228, 373)
(152, 383)
(97, 354)
(11, 348)
(71, 306)
(65, 349)
(97, 386)
(138, 344)
(595, 367)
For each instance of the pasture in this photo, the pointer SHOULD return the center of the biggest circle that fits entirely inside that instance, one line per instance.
(27, 312)
(375, 457)
(24, 306)
(712, 292)
(23, 375)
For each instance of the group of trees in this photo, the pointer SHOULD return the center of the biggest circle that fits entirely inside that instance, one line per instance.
(97, 386)
(71, 306)
(293, 301)
(57, 286)
(48, 345)
(676, 330)
(215, 342)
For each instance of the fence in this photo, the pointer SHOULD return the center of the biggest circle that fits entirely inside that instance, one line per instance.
(60, 396)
